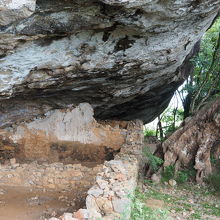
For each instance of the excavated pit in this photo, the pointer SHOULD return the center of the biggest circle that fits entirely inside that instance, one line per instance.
(41, 189)
(49, 186)
(48, 165)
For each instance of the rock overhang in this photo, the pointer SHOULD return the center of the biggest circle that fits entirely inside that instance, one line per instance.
(125, 58)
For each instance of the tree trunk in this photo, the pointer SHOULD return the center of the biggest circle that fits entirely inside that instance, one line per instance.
(194, 141)
(159, 125)
(186, 105)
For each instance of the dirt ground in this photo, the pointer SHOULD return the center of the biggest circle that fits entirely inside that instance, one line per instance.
(183, 202)
(23, 203)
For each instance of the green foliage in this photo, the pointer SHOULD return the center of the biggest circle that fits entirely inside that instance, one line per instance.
(215, 163)
(141, 212)
(213, 160)
(159, 196)
(168, 173)
(204, 84)
(181, 176)
(149, 133)
(212, 209)
(171, 118)
(154, 161)
(206, 205)
(195, 216)
(168, 115)
(214, 181)
(209, 42)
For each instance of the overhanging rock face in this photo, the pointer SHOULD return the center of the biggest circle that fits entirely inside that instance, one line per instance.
(123, 57)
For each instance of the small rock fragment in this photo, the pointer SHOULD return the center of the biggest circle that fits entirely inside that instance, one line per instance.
(2, 191)
(172, 182)
(12, 161)
(95, 191)
(120, 204)
(155, 178)
(81, 214)
(67, 216)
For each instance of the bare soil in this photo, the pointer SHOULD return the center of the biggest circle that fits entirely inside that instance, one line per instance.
(23, 203)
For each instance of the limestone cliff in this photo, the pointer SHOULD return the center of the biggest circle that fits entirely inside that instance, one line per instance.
(124, 57)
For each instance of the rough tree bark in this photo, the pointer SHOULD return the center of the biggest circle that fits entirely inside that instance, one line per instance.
(195, 141)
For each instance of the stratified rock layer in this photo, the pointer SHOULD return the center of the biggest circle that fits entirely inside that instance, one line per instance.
(123, 57)
(63, 136)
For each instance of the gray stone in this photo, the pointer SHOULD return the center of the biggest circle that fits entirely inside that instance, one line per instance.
(94, 214)
(95, 191)
(13, 10)
(120, 204)
(12, 161)
(2, 191)
(58, 53)
(68, 216)
(91, 203)
(121, 193)
(117, 166)
(102, 183)
(172, 182)
(156, 178)
(83, 213)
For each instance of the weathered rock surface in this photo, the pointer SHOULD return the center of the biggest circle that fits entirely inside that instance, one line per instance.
(124, 57)
(63, 135)
(14, 10)
(196, 142)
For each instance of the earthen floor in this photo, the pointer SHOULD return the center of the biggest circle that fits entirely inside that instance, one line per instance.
(25, 203)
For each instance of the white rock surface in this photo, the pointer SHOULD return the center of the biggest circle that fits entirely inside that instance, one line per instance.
(13, 10)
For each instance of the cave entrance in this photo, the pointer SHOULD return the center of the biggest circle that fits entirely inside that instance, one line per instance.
(48, 165)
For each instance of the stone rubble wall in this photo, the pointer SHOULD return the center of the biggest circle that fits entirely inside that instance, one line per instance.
(110, 197)
(53, 176)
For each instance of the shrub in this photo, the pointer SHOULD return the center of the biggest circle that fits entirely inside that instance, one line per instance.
(168, 173)
(149, 133)
(154, 161)
(182, 176)
(214, 181)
